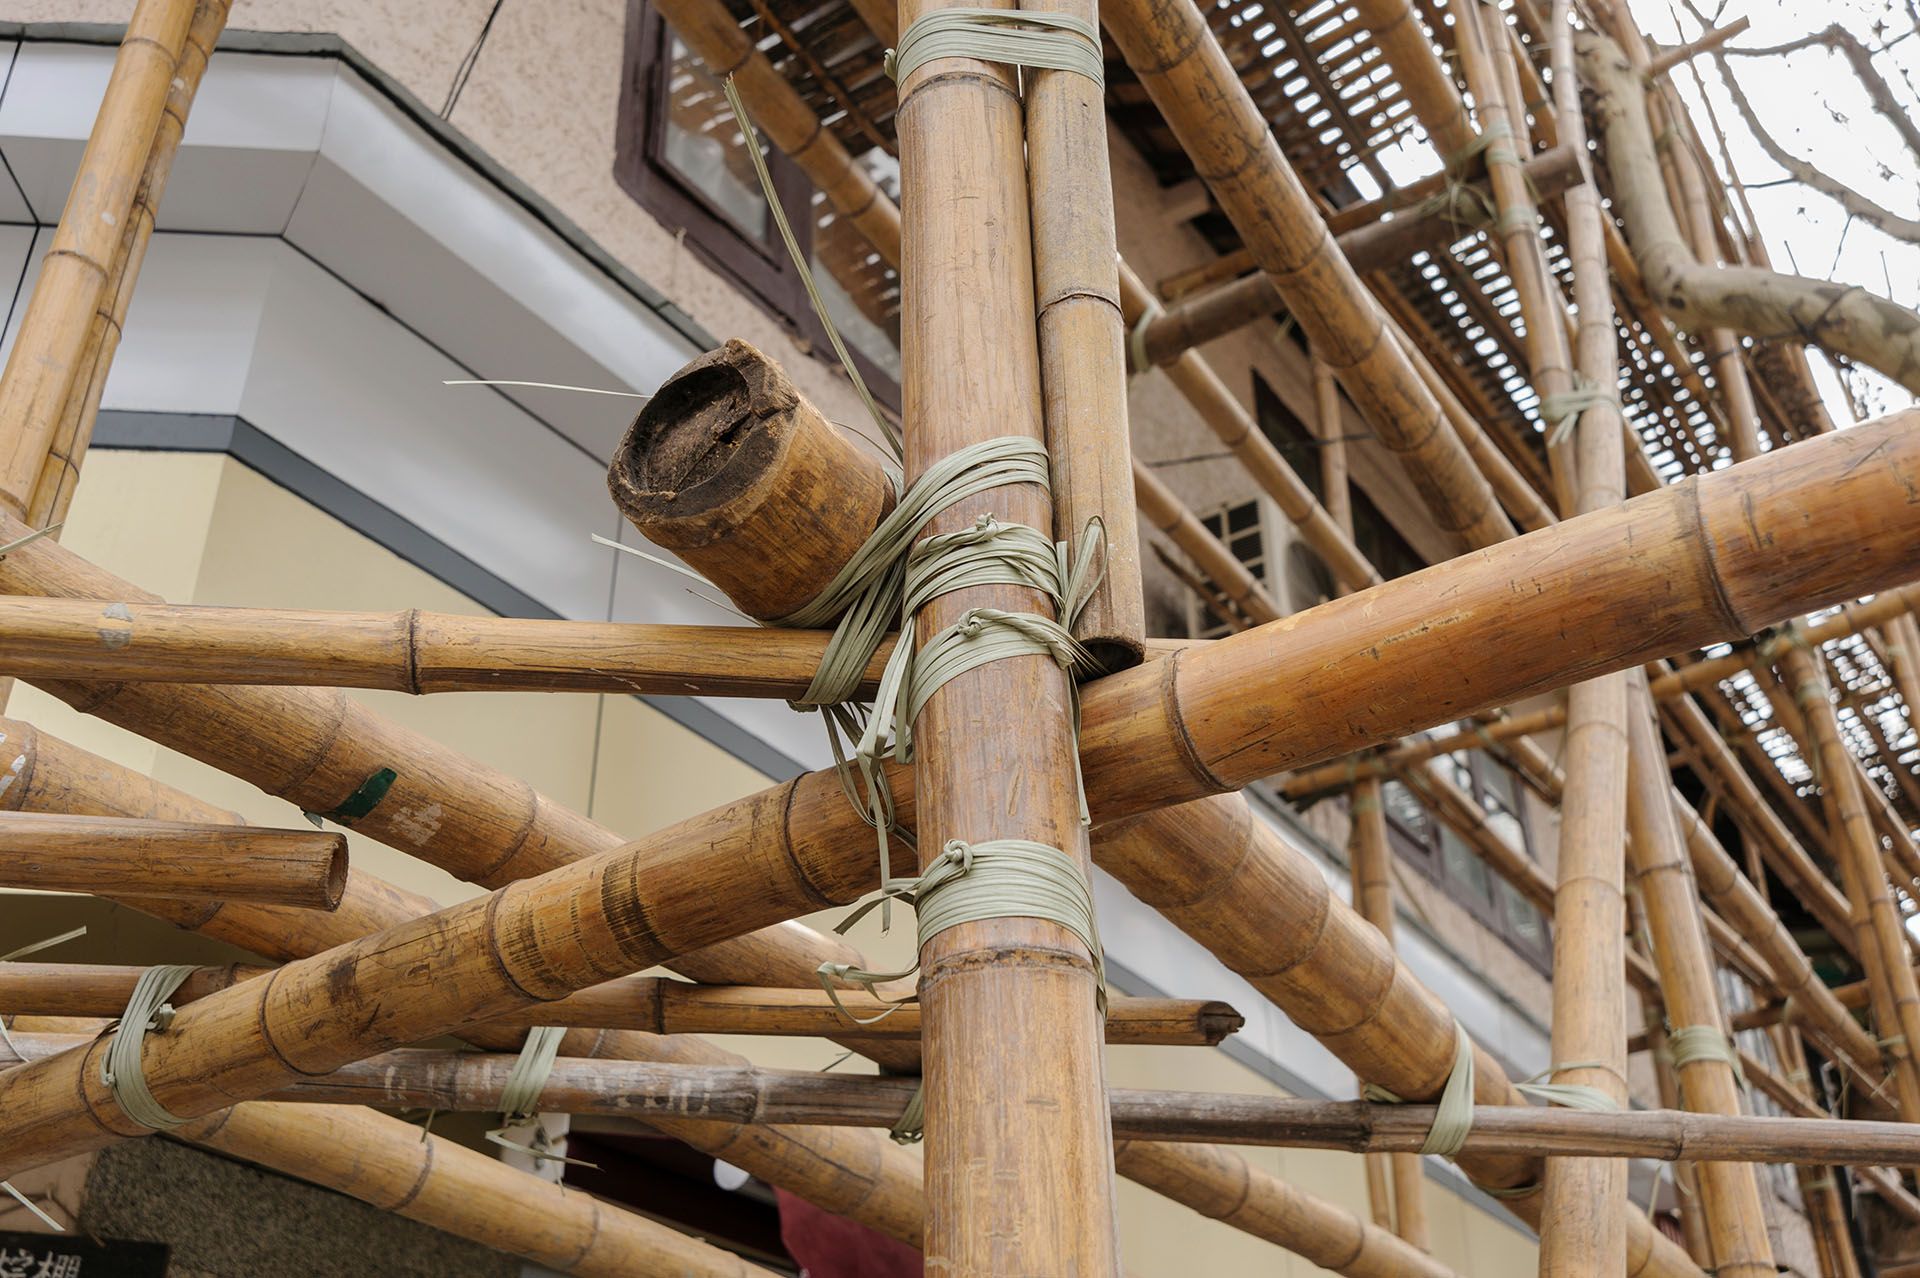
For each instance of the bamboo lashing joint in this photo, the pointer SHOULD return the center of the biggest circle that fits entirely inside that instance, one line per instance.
(120, 1068)
(520, 1098)
(1045, 41)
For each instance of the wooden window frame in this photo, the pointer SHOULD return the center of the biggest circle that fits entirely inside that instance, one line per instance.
(760, 268)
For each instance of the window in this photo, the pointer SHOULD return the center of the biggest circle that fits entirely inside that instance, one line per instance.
(1451, 862)
(681, 155)
(1241, 528)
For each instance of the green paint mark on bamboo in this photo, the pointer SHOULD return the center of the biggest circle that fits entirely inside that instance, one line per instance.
(366, 798)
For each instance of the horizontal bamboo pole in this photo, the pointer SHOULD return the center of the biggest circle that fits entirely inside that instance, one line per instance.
(648, 1091)
(180, 860)
(409, 651)
(1201, 317)
(654, 1004)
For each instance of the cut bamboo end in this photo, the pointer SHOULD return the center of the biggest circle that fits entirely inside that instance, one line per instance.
(173, 860)
(720, 440)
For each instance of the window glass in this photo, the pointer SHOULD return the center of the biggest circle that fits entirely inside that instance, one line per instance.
(701, 142)
(861, 292)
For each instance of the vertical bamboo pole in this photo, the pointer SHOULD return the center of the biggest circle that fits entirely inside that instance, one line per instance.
(1333, 448)
(1019, 1150)
(1693, 1226)
(1083, 357)
(1819, 1193)
(1729, 1192)
(53, 489)
(45, 361)
(1583, 1222)
(1882, 939)
(1373, 897)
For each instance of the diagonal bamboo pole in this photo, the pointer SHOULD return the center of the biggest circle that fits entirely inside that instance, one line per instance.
(1019, 1151)
(188, 861)
(1583, 1220)
(1189, 78)
(1881, 938)
(44, 365)
(394, 1166)
(60, 473)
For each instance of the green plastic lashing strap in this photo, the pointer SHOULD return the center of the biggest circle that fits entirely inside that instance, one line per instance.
(1571, 1095)
(120, 1066)
(911, 1126)
(520, 1096)
(1045, 41)
(364, 799)
(969, 882)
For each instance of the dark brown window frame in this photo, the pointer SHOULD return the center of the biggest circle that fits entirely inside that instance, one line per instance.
(759, 267)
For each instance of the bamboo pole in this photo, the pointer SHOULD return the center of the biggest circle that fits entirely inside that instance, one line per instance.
(1333, 449)
(653, 1004)
(1083, 357)
(396, 1167)
(1312, 783)
(60, 473)
(1583, 1221)
(1202, 317)
(1729, 1193)
(45, 361)
(1881, 939)
(1188, 76)
(180, 860)
(1826, 1216)
(1370, 859)
(1019, 1152)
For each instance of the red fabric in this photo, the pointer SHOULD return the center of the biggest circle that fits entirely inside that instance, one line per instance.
(830, 1246)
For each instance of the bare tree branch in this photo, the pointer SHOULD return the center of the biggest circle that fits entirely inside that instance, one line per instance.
(1845, 43)
(1765, 304)
(1808, 174)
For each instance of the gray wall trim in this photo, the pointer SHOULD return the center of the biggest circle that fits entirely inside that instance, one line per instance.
(239, 439)
(330, 45)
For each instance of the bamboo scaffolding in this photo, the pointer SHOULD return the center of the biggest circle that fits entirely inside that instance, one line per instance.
(1482, 55)
(1583, 1221)
(1019, 1151)
(1083, 357)
(1311, 783)
(656, 1005)
(1794, 1100)
(1851, 619)
(53, 490)
(1233, 426)
(854, 1173)
(1163, 510)
(1693, 1228)
(180, 860)
(1199, 318)
(44, 364)
(1187, 75)
(1729, 1193)
(1826, 1215)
